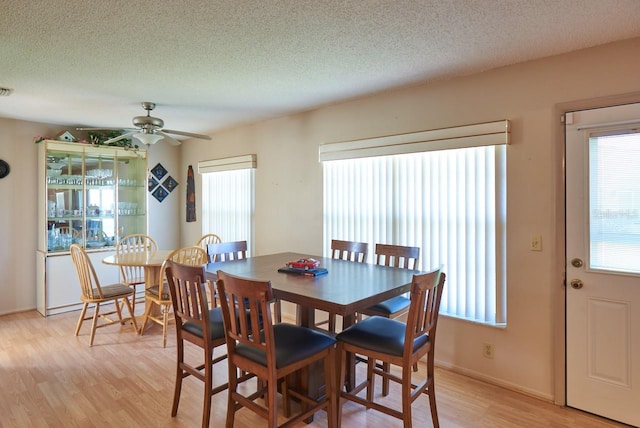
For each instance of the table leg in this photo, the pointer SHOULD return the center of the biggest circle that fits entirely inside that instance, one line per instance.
(151, 278)
(350, 378)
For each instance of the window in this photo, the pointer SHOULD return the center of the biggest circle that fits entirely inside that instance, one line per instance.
(449, 202)
(228, 198)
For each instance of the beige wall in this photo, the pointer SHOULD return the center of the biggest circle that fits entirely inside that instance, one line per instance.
(528, 353)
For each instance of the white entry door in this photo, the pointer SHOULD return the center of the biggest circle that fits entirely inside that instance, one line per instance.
(603, 261)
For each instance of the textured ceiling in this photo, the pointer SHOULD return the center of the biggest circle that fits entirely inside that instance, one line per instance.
(213, 64)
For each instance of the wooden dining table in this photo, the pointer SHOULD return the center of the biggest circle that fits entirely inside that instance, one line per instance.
(150, 260)
(346, 289)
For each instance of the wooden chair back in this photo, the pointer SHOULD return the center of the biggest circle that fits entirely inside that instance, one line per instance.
(133, 275)
(226, 251)
(159, 294)
(209, 238)
(349, 250)
(247, 317)
(187, 287)
(137, 242)
(190, 256)
(89, 283)
(426, 293)
(398, 256)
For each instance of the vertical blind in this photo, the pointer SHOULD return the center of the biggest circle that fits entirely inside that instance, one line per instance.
(228, 200)
(450, 203)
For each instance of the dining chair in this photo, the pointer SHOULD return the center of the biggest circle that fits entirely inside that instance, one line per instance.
(209, 238)
(399, 344)
(343, 250)
(349, 250)
(134, 275)
(236, 250)
(226, 251)
(95, 294)
(398, 256)
(158, 295)
(258, 348)
(197, 324)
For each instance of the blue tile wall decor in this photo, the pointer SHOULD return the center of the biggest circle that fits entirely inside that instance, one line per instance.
(159, 171)
(152, 182)
(160, 193)
(170, 184)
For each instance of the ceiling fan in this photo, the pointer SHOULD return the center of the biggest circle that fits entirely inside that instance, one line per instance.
(148, 129)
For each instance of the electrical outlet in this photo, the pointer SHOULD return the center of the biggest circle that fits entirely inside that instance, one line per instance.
(536, 243)
(487, 350)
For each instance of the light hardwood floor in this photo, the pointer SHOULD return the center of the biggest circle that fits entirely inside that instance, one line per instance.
(50, 378)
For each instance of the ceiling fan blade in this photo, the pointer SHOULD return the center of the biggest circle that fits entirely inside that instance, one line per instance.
(105, 129)
(186, 134)
(119, 137)
(169, 139)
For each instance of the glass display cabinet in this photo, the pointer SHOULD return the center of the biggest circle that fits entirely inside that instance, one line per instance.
(91, 196)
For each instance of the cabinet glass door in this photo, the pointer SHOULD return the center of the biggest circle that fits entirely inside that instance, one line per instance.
(100, 220)
(64, 200)
(132, 208)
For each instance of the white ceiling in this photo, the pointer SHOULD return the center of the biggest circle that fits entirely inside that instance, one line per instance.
(213, 64)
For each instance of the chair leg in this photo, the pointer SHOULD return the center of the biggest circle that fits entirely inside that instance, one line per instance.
(133, 318)
(385, 381)
(94, 322)
(81, 319)
(272, 398)
(165, 322)
(179, 377)
(208, 387)
(371, 380)
(431, 388)
(341, 378)
(330, 388)
(231, 400)
(147, 312)
(406, 397)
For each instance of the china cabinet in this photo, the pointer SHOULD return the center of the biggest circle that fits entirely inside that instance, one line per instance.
(88, 195)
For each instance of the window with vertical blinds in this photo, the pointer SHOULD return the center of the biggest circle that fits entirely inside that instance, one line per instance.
(228, 198)
(450, 202)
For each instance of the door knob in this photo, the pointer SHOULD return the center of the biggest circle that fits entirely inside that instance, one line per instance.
(576, 263)
(576, 283)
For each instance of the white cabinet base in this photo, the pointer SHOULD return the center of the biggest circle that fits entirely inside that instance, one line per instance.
(59, 288)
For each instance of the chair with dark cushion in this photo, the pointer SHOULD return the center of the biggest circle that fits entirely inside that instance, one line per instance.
(400, 344)
(349, 250)
(344, 250)
(258, 348)
(398, 256)
(197, 324)
(236, 250)
(402, 257)
(227, 251)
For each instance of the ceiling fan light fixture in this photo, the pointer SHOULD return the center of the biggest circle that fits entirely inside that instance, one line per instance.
(148, 139)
